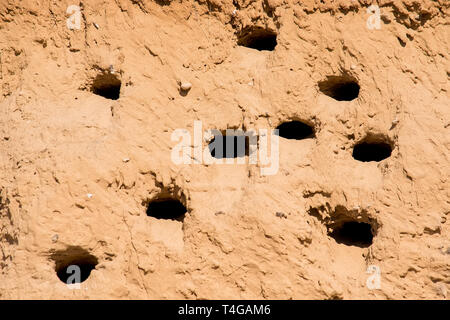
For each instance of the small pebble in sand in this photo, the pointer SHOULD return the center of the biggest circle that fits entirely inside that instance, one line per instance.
(185, 86)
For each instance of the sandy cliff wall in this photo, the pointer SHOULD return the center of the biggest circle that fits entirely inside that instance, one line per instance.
(87, 116)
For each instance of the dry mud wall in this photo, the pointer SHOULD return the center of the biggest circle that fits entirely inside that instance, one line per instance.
(92, 92)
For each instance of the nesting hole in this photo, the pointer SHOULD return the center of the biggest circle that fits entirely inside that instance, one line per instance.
(166, 207)
(231, 145)
(74, 265)
(258, 38)
(295, 130)
(350, 227)
(372, 149)
(340, 88)
(353, 233)
(107, 85)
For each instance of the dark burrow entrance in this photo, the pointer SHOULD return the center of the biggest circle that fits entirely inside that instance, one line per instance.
(352, 233)
(341, 88)
(258, 38)
(166, 207)
(372, 151)
(229, 146)
(353, 227)
(107, 85)
(74, 265)
(295, 130)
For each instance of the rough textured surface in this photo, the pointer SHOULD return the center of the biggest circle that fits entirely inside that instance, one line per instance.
(77, 170)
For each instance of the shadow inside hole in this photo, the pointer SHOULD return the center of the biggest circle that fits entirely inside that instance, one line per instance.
(229, 146)
(295, 130)
(107, 85)
(84, 268)
(367, 152)
(166, 208)
(74, 265)
(258, 38)
(352, 233)
(340, 88)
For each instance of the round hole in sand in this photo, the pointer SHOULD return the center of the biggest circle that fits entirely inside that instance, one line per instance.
(295, 130)
(166, 208)
(340, 88)
(74, 265)
(258, 38)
